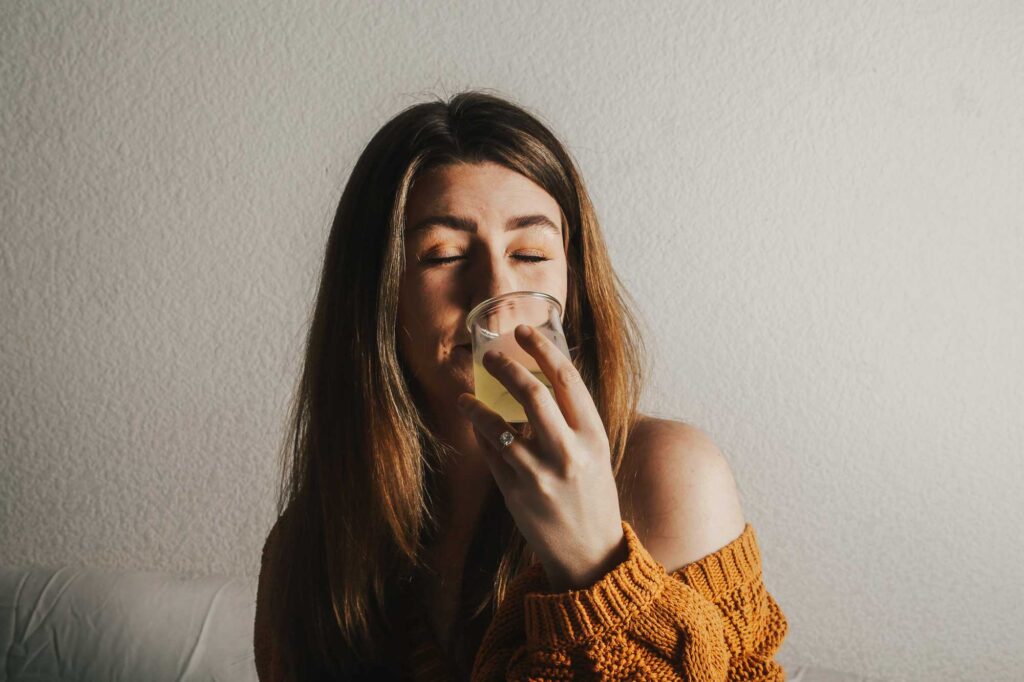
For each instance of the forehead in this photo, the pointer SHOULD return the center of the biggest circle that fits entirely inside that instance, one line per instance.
(477, 188)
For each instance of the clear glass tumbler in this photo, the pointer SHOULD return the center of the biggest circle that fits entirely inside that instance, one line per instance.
(492, 324)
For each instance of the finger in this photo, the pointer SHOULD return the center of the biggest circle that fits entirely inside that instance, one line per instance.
(489, 425)
(571, 392)
(541, 408)
(502, 470)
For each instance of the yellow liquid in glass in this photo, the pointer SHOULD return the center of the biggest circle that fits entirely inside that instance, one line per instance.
(493, 393)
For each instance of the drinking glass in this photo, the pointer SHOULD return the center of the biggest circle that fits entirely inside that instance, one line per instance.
(492, 324)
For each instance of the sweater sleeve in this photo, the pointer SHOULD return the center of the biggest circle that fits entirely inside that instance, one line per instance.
(713, 619)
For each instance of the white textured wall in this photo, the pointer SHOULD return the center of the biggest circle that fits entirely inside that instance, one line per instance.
(817, 205)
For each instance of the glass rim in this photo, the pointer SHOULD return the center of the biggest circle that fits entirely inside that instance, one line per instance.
(494, 301)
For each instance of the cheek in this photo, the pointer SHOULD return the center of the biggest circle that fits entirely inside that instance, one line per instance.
(409, 321)
(556, 281)
(420, 317)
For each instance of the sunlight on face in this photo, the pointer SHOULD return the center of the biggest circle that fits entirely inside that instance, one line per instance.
(473, 231)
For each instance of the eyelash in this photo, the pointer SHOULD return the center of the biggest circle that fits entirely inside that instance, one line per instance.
(449, 259)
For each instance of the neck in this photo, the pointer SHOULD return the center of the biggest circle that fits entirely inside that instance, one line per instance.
(465, 479)
(464, 488)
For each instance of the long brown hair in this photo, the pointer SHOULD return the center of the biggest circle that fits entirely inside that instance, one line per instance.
(359, 461)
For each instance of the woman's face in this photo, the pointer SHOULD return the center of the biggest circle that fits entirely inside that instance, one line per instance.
(462, 212)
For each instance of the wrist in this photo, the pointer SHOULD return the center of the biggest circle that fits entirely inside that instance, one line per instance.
(583, 574)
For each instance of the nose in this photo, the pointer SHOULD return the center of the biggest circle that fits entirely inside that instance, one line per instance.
(490, 277)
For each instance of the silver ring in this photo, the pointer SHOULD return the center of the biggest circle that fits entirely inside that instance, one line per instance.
(506, 438)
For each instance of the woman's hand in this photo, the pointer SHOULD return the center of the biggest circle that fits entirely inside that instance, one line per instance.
(557, 482)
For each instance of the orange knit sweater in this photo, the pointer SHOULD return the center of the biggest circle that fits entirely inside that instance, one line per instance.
(712, 619)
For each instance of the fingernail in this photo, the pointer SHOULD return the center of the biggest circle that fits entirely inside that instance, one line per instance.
(526, 330)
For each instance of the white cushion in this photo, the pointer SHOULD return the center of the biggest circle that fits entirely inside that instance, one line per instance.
(86, 624)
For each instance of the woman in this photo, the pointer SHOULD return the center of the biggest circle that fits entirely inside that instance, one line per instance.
(414, 541)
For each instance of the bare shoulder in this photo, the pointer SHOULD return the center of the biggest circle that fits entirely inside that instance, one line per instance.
(686, 503)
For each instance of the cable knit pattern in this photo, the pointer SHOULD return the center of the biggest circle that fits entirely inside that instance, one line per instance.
(710, 620)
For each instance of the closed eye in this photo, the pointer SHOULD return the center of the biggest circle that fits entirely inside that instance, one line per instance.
(449, 259)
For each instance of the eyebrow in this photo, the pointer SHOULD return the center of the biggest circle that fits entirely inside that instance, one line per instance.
(468, 225)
